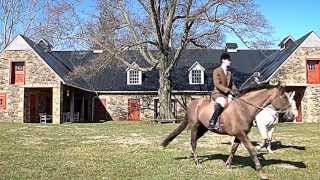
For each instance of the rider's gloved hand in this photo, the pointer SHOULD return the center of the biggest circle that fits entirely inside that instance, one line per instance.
(235, 92)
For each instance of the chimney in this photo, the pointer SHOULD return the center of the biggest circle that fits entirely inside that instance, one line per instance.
(231, 47)
(46, 45)
(97, 51)
(286, 42)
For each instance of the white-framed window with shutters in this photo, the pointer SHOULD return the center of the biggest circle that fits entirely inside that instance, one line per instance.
(196, 74)
(134, 77)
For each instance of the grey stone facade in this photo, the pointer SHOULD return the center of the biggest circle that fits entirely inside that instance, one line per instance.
(293, 73)
(37, 74)
(117, 105)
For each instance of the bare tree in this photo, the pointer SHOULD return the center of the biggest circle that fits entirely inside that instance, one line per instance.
(169, 27)
(57, 21)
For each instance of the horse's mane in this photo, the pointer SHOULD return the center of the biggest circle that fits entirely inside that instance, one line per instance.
(257, 87)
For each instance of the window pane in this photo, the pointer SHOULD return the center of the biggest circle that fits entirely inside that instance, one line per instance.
(196, 76)
(134, 77)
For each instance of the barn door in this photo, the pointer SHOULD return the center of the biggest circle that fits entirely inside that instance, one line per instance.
(298, 99)
(33, 108)
(313, 71)
(134, 109)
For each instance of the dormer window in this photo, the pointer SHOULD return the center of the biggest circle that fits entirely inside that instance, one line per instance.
(286, 42)
(196, 74)
(134, 77)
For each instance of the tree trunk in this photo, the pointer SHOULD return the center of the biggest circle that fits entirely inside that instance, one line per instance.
(164, 92)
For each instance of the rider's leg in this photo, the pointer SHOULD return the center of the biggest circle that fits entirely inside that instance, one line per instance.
(218, 108)
(269, 140)
(264, 133)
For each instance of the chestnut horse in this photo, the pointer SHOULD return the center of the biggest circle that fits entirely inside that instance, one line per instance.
(237, 119)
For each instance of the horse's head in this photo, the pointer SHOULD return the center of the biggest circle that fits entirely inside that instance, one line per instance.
(284, 103)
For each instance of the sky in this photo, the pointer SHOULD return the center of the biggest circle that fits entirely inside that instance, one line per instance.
(289, 17)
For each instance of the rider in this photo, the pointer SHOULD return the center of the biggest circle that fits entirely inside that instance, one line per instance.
(224, 88)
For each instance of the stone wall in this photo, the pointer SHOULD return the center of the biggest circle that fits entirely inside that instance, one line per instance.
(37, 74)
(311, 104)
(117, 105)
(294, 73)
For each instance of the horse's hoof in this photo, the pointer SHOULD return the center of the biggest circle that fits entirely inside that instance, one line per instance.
(262, 175)
(228, 166)
(199, 165)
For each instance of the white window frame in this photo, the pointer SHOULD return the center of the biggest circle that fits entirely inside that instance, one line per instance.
(139, 77)
(196, 66)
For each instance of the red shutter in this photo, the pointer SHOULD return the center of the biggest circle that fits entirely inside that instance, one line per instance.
(134, 109)
(18, 73)
(3, 101)
(313, 72)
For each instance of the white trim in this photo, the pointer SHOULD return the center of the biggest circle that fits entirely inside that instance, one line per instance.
(232, 50)
(269, 78)
(196, 66)
(139, 77)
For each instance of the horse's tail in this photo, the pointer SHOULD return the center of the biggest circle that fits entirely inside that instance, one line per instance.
(175, 133)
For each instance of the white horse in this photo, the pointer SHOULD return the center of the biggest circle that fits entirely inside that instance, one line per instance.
(267, 118)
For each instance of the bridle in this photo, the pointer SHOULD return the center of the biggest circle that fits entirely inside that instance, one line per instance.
(283, 110)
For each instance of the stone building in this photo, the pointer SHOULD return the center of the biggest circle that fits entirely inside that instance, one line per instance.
(34, 80)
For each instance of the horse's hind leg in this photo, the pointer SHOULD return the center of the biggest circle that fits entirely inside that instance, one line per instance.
(253, 153)
(196, 132)
(234, 148)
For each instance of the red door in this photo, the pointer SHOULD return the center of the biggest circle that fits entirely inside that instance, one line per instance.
(18, 73)
(33, 108)
(134, 109)
(313, 71)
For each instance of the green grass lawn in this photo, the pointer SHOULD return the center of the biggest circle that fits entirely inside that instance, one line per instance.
(126, 150)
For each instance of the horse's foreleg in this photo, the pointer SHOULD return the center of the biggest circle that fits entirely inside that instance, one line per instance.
(253, 153)
(234, 148)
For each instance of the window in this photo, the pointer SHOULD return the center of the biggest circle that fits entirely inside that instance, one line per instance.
(196, 76)
(2, 101)
(134, 77)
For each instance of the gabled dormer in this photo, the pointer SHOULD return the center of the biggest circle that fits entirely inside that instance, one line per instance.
(196, 73)
(286, 42)
(134, 77)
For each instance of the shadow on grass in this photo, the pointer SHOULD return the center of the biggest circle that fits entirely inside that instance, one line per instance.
(275, 145)
(242, 161)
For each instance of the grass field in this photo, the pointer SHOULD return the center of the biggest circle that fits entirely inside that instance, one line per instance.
(126, 150)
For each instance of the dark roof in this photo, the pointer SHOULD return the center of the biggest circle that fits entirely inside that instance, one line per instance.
(273, 62)
(62, 67)
(114, 78)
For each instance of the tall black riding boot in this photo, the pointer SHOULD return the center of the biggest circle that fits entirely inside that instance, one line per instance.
(217, 111)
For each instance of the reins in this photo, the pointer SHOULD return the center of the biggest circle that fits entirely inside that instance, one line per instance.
(261, 108)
